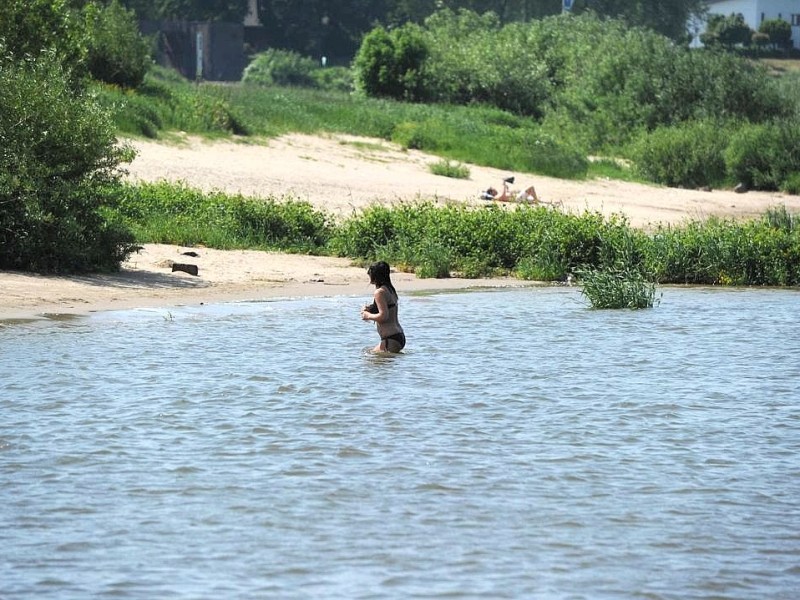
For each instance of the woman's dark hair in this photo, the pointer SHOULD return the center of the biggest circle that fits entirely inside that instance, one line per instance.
(379, 274)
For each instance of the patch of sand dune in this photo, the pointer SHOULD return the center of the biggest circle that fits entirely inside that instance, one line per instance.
(342, 174)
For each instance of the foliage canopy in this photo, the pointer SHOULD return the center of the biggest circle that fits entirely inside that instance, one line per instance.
(599, 82)
(59, 153)
(117, 53)
(57, 158)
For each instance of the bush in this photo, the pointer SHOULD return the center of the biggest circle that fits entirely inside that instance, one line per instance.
(281, 67)
(117, 53)
(763, 156)
(778, 31)
(689, 155)
(536, 242)
(338, 79)
(792, 184)
(390, 64)
(613, 259)
(638, 80)
(178, 214)
(433, 260)
(727, 30)
(57, 161)
(29, 27)
(473, 60)
(764, 251)
(726, 86)
(788, 86)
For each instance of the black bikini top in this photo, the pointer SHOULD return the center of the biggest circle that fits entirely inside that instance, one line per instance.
(389, 304)
(373, 308)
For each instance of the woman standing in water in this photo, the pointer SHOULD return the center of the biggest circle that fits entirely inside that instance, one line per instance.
(384, 310)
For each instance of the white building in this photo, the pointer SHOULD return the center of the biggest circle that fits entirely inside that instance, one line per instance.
(251, 18)
(756, 11)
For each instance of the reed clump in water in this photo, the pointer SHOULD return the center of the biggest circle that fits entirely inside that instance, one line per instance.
(620, 288)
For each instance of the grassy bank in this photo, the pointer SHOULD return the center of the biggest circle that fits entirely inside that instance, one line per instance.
(478, 135)
(534, 243)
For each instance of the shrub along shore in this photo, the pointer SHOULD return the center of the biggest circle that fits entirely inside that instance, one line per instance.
(530, 242)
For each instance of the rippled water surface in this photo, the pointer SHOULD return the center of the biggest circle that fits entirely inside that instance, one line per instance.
(523, 447)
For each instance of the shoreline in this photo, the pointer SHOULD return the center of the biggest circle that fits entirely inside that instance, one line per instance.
(339, 174)
(146, 280)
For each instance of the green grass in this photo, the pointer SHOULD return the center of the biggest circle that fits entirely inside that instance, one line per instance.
(445, 168)
(477, 135)
(177, 214)
(474, 135)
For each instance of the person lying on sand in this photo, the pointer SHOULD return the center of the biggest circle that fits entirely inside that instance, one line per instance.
(527, 196)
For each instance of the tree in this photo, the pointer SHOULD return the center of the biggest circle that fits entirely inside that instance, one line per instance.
(779, 32)
(390, 64)
(668, 18)
(190, 10)
(57, 159)
(30, 27)
(507, 11)
(336, 28)
(117, 52)
(727, 31)
(58, 154)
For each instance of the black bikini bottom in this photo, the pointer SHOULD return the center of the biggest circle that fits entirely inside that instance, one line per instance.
(400, 338)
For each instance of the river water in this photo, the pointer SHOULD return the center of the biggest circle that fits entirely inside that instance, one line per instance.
(524, 446)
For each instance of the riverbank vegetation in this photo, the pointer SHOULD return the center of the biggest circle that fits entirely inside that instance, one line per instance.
(529, 242)
(58, 145)
(465, 87)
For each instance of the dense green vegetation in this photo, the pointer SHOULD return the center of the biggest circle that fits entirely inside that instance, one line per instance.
(177, 214)
(116, 53)
(535, 243)
(59, 151)
(335, 28)
(469, 88)
(57, 155)
(600, 84)
(518, 97)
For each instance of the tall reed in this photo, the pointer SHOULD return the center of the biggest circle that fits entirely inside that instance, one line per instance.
(617, 288)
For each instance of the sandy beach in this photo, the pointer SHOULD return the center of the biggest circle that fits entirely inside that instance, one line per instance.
(342, 175)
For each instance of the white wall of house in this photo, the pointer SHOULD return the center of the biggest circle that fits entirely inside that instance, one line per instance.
(251, 18)
(756, 11)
